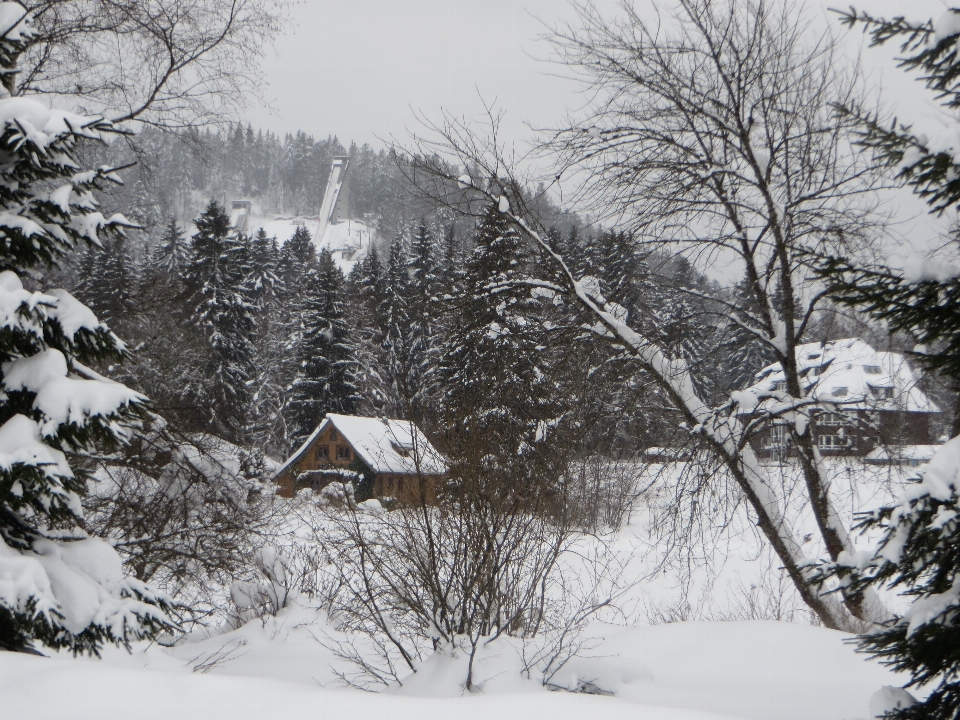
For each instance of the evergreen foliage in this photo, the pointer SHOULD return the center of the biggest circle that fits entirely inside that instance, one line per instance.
(327, 377)
(499, 394)
(920, 534)
(61, 587)
(395, 322)
(172, 254)
(110, 287)
(222, 309)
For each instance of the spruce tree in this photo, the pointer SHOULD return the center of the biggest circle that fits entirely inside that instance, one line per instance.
(423, 305)
(920, 533)
(366, 287)
(221, 308)
(60, 586)
(394, 318)
(326, 380)
(110, 287)
(172, 254)
(263, 280)
(498, 393)
(266, 290)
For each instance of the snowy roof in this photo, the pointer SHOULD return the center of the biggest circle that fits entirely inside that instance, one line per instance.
(921, 453)
(386, 446)
(846, 372)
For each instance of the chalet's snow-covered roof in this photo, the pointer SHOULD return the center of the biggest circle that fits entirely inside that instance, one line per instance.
(915, 453)
(386, 446)
(847, 372)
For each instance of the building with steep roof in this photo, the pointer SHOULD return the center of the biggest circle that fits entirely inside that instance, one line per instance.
(390, 458)
(867, 399)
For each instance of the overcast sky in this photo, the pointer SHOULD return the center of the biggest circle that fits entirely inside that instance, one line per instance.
(358, 69)
(355, 68)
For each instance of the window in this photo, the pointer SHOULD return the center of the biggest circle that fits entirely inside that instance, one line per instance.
(333, 433)
(401, 449)
(830, 419)
(778, 435)
(780, 386)
(881, 393)
(343, 452)
(840, 392)
(872, 369)
(323, 452)
(831, 442)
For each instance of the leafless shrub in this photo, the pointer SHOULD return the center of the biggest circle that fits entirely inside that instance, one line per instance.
(279, 576)
(601, 492)
(479, 564)
(205, 662)
(770, 597)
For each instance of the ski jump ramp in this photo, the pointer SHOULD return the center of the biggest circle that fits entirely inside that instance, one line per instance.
(336, 197)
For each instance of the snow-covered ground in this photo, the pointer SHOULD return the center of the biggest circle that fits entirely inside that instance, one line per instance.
(730, 666)
(759, 670)
(348, 241)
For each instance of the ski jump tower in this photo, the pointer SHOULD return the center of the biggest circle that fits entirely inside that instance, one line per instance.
(336, 199)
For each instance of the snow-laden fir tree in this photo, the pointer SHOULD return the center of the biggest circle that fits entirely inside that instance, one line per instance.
(222, 309)
(498, 394)
(58, 586)
(263, 279)
(394, 314)
(366, 290)
(109, 288)
(423, 305)
(326, 379)
(266, 290)
(172, 254)
(920, 533)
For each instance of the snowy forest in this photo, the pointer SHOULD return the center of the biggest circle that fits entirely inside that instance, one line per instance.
(654, 418)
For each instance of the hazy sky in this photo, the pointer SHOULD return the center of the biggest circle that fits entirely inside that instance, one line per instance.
(358, 69)
(355, 68)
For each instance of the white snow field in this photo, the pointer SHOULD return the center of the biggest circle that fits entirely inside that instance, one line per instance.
(761, 670)
(748, 669)
(349, 241)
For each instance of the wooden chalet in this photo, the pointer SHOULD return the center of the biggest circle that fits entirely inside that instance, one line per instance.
(393, 457)
(867, 400)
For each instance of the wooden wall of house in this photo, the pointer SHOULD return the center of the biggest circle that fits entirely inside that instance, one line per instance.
(329, 448)
(406, 488)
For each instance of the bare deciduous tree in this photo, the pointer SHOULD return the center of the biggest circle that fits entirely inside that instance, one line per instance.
(715, 135)
(174, 64)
